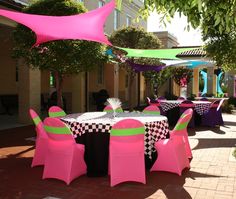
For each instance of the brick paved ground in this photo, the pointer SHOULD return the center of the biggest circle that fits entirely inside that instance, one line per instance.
(212, 173)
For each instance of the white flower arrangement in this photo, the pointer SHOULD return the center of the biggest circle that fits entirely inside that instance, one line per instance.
(114, 103)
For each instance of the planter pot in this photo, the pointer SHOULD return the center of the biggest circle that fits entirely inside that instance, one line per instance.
(183, 92)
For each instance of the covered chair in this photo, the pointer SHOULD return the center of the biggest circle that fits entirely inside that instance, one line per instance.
(171, 156)
(214, 116)
(152, 109)
(161, 98)
(181, 98)
(181, 130)
(186, 104)
(109, 109)
(41, 144)
(65, 158)
(126, 158)
(56, 111)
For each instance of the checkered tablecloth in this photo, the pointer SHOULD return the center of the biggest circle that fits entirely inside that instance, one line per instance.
(166, 106)
(201, 107)
(154, 130)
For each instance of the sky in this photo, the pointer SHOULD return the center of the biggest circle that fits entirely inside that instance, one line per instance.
(176, 28)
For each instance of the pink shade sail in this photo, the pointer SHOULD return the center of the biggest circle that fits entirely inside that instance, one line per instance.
(85, 26)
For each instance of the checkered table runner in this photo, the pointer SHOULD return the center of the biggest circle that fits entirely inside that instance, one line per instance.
(202, 108)
(153, 131)
(166, 106)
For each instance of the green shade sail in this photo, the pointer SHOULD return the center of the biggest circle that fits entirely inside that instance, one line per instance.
(155, 53)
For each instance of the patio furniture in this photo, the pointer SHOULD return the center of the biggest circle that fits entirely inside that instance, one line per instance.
(185, 105)
(93, 130)
(41, 143)
(65, 158)
(126, 154)
(171, 156)
(181, 130)
(152, 109)
(214, 116)
(56, 111)
(181, 98)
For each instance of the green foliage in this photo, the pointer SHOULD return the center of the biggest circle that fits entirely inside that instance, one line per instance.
(215, 18)
(64, 56)
(227, 108)
(232, 100)
(158, 78)
(234, 153)
(137, 38)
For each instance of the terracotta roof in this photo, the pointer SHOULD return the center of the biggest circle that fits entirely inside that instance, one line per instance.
(199, 52)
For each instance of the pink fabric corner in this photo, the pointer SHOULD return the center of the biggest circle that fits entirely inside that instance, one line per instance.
(127, 123)
(85, 26)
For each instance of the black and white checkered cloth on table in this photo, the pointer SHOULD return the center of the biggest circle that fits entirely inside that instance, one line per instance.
(202, 108)
(153, 131)
(166, 106)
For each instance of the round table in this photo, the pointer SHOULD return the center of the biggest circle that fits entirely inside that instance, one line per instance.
(93, 130)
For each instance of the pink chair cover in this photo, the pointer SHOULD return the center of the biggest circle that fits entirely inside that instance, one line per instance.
(56, 111)
(126, 156)
(181, 130)
(86, 26)
(65, 158)
(171, 156)
(41, 144)
(152, 109)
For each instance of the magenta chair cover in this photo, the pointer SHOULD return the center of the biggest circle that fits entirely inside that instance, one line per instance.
(171, 156)
(181, 130)
(109, 109)
(152, 109)
(56, 111)
(85, 26)
(186, 104)
(65, 158)
(41, 144)
(126, 149)
(214, 116)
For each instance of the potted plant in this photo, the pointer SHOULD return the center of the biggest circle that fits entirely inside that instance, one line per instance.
(182, 77)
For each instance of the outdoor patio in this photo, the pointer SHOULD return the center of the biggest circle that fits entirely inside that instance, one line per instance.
(212, 173)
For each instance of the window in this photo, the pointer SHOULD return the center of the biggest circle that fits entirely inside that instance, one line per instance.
(101, 3)
(128, 20)
(116, 19)
(100, 76)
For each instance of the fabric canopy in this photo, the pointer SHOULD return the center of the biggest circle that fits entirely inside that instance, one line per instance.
(155, 53)
(141, 67)
(85, 26)
(188, 63)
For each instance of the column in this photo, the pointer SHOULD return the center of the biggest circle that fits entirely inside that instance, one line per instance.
(195, 81)
(231, 89)
(78, 93)
(29, 92)
(211, 81)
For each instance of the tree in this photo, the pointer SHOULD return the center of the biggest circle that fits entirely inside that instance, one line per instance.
(64, 57)
(217, 20)
(157, 79)
(137, 38)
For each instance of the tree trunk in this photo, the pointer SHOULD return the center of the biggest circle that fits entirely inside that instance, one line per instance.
(59, 82)
(130, 85)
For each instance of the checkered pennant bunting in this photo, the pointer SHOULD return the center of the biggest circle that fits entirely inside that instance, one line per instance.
(154, 131)
(166, 106)
(202, 108)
